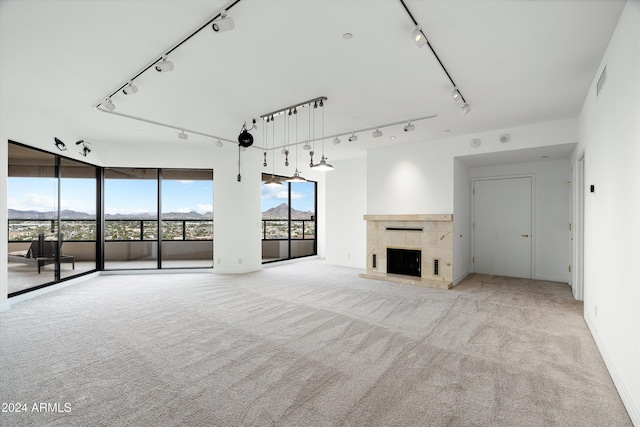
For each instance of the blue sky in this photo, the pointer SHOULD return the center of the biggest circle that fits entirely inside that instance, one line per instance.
(136, 196)
(302, 197)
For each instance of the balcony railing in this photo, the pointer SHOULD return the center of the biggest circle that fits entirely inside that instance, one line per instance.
(115, 229)
(278, 229)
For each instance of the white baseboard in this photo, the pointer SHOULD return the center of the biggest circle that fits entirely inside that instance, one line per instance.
(632, 406)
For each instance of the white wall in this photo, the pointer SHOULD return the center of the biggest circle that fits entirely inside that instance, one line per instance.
(461, 221)
(552, 239)
(609, 127)
(346, 206)
(419, 178)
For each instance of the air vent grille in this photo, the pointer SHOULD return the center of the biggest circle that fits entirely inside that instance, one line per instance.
(436, 267)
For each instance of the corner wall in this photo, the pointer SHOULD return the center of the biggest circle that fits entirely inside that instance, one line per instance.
(609, 127)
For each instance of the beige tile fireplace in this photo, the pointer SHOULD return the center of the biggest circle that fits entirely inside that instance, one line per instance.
(431, 234)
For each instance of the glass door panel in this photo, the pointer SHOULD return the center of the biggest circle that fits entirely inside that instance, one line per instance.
(78, 221)
(32, 201)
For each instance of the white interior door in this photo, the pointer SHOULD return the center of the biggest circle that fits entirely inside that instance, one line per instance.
(502, 226)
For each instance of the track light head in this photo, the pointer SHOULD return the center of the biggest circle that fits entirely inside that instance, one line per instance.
(130, 89)
(182, 135)
(455, 94)
(353, 137)
(336, 141)
(377, 133)
(464, 110)
(224, 23)
(306, 146)
(61, 145)
(164, 65)
(409, 127)
(108, 104)
(418, 37)
(219, 144)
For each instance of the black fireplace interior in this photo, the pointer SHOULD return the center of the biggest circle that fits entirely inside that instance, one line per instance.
(404, 261)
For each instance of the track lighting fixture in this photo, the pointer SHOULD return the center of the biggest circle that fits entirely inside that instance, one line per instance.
(219, 144)
(130, 89)
(108, 104)
(409, 127)
(59, 144)
(418, 37)
(377, 133)
(84, 150)
(224, 23)
(464, 110)
(182, 135)
(353, 137)
(306, 146)
(336, 141)
(164, 65)
(455, 94)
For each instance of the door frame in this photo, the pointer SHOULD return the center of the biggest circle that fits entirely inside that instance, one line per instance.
(577, 279)
(533, 216)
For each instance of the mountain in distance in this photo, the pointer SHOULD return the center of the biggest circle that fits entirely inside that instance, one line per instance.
(71, 215)
(282, 212)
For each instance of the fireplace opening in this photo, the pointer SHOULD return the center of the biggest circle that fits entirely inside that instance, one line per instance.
(404, 261)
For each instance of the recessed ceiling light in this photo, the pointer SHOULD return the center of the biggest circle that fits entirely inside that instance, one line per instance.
(392, 137)
(347, 36)
(139, 130)
(447, 130)
(544, 157)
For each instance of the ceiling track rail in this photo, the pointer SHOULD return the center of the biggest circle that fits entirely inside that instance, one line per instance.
(225, 8)
(415, 22)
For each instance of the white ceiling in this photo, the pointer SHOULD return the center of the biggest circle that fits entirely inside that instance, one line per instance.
(516, 62)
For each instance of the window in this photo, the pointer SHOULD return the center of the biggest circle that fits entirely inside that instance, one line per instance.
(187, 218)
(288, 220)
(51, 218)
(130, 218)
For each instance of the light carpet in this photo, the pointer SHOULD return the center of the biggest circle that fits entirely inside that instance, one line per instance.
(303, 344)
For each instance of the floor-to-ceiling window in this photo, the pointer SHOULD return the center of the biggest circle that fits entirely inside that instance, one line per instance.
(51, 218)
(158, 218)
(130, 218)
(187, 218)
(288, 220)
(78, 217)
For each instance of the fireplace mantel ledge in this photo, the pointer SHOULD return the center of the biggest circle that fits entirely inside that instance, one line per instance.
(410, 217)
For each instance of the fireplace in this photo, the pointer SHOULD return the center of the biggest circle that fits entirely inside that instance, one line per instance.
(404, 261)
(415, 249)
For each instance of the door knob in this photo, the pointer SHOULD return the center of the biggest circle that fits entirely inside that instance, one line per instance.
(524, 235)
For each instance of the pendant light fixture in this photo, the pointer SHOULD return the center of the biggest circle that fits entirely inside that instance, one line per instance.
(323, 165)
(273, 181)
(296, 175)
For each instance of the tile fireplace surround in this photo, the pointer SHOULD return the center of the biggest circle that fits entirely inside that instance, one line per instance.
(432, 234)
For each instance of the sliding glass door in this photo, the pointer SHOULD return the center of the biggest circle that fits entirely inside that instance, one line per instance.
(51, 218)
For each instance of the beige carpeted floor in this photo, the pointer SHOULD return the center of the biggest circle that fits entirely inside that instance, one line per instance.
(303, 344)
